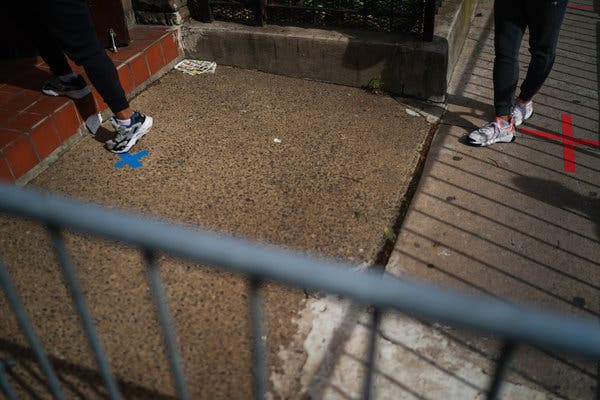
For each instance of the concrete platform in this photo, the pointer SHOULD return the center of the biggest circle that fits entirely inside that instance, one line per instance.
(311, 166)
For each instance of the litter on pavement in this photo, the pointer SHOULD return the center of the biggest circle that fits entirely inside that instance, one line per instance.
(412, 112)
(196, 67)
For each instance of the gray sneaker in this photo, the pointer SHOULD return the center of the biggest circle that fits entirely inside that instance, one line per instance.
(522, 111)
(128, 135)
(496, 131)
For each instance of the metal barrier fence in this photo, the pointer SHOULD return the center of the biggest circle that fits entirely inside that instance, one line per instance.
(414, 16)
(513, 324)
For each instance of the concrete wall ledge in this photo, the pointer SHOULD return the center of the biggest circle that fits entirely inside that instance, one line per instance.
(405, 64)
(452, 24)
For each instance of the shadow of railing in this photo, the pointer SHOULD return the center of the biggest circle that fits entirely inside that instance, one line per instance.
(86, 380)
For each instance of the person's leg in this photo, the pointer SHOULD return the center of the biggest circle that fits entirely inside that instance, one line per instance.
(46, 44)
(70, 22)
(51, 53)
(509, 19)
(64, 82)
(544, 18)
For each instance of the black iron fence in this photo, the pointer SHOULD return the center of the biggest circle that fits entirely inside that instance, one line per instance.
(410, 16)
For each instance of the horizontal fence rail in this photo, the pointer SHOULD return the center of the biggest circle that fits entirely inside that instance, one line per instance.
(512, 323)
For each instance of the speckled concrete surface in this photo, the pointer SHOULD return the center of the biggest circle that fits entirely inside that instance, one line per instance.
(331, 186)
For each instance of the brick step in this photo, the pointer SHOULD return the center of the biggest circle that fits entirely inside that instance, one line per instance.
(33, 126)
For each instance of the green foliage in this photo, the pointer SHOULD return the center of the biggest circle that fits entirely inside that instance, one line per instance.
(389, 234)
(375, 86)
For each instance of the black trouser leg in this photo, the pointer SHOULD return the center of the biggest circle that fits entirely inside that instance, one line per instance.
(51, 53)
(544, 20)
(70, 23)
(45, 42)
(510, 24)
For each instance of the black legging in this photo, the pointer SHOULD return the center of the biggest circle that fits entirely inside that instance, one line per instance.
(65, 27)
(544, 18)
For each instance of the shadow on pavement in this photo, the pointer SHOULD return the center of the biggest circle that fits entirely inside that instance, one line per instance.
(557, 195)
(77, 380)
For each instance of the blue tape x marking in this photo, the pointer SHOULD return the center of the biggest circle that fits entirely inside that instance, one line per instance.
(132, 160)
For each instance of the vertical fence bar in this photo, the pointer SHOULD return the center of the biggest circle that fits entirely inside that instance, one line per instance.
(158, 295)
(429, 20)
(260, 12)
(82, 309)
(259, 348)
(27, 328)
(5, 385)
(508, 348)
(392, 2)
(368, 392)
(206, 14)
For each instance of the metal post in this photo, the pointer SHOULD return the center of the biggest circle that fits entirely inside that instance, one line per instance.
(84, 313)
(508, 349)
(260, 12)
(392, 15)
(368, 385)
(27, 328)
(259, 348)
(429, 20)
(158, 295)
(206, 14)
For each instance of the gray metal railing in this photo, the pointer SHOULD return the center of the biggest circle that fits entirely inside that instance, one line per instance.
(513, 324)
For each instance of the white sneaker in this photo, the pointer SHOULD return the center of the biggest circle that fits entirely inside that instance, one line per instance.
(496, 131)
(522, 111)
(127, 136)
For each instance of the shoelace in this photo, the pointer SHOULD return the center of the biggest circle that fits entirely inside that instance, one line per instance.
(121, 135)
(493, 127)
(121, 131)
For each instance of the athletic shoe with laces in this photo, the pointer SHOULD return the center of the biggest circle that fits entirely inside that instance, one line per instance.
(498, 130)
(522, 111)
(128, 135)
(75, 88)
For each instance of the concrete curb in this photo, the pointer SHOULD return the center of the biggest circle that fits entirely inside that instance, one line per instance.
(405, 64)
